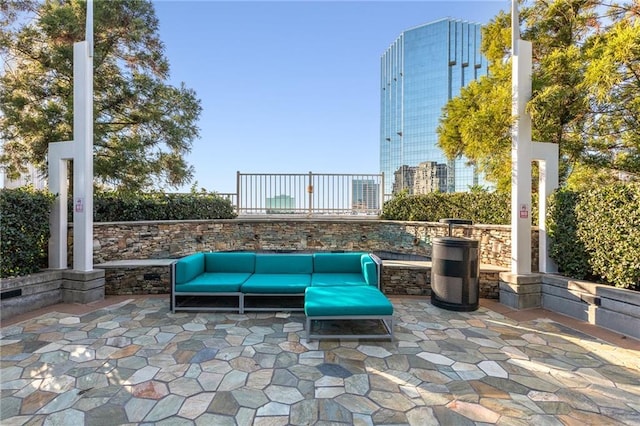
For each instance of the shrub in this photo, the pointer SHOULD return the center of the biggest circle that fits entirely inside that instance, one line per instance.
(116, 207)
(609, 228)
(566, 249)
(480, 207)
(24, 230)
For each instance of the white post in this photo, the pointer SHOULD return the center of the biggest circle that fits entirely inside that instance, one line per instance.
(547, 156)
(83, 157)
(59, 154)
(521, 161)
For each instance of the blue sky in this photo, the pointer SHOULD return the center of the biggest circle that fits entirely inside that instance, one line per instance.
(289, 86)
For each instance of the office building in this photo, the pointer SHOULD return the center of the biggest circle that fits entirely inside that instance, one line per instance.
(365, 195)
(422, 69)
(280, 204)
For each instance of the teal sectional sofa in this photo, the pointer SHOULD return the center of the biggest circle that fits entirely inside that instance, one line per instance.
(316, 283)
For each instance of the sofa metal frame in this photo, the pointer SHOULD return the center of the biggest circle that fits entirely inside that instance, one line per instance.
(387, 322)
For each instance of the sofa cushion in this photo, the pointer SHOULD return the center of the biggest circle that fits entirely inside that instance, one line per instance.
(343, 279)
(346, 301)
(284, 264)
(215, 282)
(337, 262)
(370, 271)
(276, 283)
(189, 267)
(229, 262)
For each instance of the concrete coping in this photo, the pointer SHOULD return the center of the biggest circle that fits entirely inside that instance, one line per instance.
(620, 294)
(134, 263)
(422, 264)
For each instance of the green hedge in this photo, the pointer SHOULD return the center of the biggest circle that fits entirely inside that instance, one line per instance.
(480, 207)
(24, 230)
(115, 207)
(597, 233)
(566, 249)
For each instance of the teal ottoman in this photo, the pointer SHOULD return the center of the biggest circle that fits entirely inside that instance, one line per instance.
(355, 303)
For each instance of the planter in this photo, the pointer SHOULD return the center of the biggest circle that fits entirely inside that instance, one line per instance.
(609, 307)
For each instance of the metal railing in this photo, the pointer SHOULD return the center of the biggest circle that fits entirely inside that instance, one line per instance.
(309, 194)
(231, 196)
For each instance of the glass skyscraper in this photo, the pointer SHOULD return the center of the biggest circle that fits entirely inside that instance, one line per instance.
(422, 69)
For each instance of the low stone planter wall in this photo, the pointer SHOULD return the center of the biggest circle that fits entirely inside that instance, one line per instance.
(150, 276)
(398, 278)
(174, 239)
(414, 278)
(613, 308)
(30, 292)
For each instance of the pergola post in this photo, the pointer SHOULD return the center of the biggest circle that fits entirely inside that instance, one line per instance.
(83, 283)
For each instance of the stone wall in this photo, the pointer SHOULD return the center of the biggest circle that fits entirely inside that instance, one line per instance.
(398, 279)
(613, 308)
(174, 239)
(415, 280)
(27, 293)
(140, 280)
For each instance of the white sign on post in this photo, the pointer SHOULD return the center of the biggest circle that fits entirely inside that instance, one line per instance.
(79, 205)
(524, 211)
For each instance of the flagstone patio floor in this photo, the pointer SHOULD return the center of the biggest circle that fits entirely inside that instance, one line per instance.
(129, 360)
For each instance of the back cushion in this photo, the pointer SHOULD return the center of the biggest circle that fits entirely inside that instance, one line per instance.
(284, 263)
(189, 267)
(370, 271)
(337, 262)
(229, 262)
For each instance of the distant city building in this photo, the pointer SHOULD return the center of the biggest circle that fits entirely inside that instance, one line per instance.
(280, 204)
(365, 194)
(422, 69)
(32, 177)
(430, 177)
(403, 178)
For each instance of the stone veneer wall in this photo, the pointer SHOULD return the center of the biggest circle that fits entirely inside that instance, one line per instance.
(174, 239)
(397, 279)
(415, 280)
(141, 280)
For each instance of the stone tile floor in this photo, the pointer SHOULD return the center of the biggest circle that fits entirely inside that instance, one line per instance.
(133, 362)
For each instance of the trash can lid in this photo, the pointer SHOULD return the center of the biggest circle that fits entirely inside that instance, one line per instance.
(454, 221)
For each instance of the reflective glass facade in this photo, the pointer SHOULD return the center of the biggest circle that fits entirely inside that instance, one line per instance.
(421, 70)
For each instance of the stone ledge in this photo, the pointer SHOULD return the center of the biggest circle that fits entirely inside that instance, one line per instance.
(612, 308)
(29, 302)
(34, 291)
(620, 294)
(26, 280)
(618, 322)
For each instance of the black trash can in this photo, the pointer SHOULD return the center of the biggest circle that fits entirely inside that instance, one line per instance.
(455, 273)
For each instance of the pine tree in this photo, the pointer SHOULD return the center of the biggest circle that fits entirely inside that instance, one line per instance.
(143, 126)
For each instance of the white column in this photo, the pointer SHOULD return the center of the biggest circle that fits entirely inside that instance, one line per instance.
(83, 157)
(59, 154)
(547, 156)
(521, 161)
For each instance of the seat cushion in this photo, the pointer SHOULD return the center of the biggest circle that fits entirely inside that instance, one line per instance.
(215, 282)
(277, 283)
(346, 301)
(342, 279)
